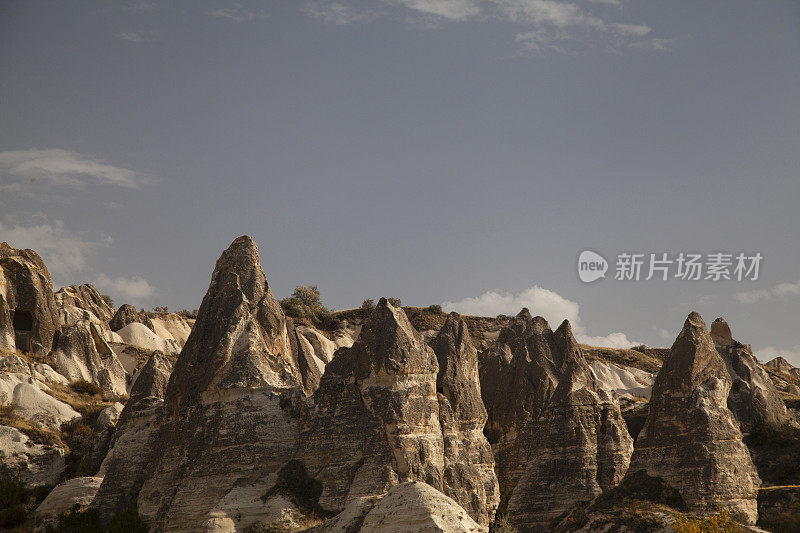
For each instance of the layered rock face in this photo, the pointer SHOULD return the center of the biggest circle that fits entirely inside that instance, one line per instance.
(753, 395)
(558, 437)
(127, 314)
(85, 297)
(376, 419)
(28, 312)
(124, 466)
(469, 476)
(81, 353)
(227, 430)
(690, 439)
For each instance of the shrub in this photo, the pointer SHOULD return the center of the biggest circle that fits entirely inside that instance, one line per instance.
(84, 387)
(435, 309)
(718, 523)
(368, 305)
(77, 521)
(17, 500)
(306, 303)
(161, 310)
(395, 302)
(109, 300)
(502, 525)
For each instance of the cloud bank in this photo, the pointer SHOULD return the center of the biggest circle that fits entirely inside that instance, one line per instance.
(126, 290)
(778, 291)
(546, 303)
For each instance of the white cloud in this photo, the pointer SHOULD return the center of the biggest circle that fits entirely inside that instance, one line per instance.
(546, 24)
(236, 13)
(138, 36)
(770, 352)
(336, 13)
(63, 253)
(128, 290)
(778, 291)
(663, 333)
(543, 302)
(458, 10)
(64, 168)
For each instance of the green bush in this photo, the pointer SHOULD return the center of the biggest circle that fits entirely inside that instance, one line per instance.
(502, 525)
(395, 302)
(306, 303)
(368, 305)
(88, 521)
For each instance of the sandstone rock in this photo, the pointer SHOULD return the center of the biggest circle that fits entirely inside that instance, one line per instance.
(691, 440)
(36, 464)
(30, 402)
(226, 429)
(411, 507)
(376, 419)
(28, 312)
(100, 441)
(753, 395)
(782, 365)
(129, 451)
(558, 436)
(171, 326)
(82, 354)
(85, 297)
(78, 491)
(127, 314)
(469, 476)
(304, 358)
(623, 381)
(138, 335)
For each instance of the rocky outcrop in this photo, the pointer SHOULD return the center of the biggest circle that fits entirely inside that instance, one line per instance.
(85, 297)
(141, 337)
(171, 326)
(376, 419)
(100, 441)
(76, 491)
(469, 476)
(782, 365)
(753, 395)
(28, 312)
(558, 436)
(82, 353)
(411, 507)
(36, 464)
(690, 439)
(124, 466)
(127, 314)
(228, 427)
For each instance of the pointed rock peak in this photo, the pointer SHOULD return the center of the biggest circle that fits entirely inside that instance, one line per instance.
(721, 332)
(539, 325)
(452, 342)
(565, 342)
(241, 259)
(693, 357)
(525, 314)
(152, 378)
(392, 344)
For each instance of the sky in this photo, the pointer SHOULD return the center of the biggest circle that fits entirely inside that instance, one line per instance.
(455, 152)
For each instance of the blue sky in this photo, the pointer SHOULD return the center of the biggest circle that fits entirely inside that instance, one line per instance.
(459, 151)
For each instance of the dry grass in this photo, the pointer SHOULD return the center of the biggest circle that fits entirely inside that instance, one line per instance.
(38, 434)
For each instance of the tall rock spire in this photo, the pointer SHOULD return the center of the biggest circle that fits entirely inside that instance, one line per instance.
(558, 437)
(690, 439)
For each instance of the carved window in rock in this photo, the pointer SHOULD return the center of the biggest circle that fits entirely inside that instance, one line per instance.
(23, 321)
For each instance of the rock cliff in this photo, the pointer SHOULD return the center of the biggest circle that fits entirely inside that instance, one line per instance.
(690, 439)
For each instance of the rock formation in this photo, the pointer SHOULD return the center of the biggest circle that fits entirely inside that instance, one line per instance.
(125, 464)
(690, 439)
(411, 507)
(558, 437)
(85, 297)
(36, 464)
(753, 395)
(376, 419)
(227, 427)
(81, 353)
(100, 441)
(782, 365)
(469, 476)
(127, 314)
(76, 491)
(28, 312)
